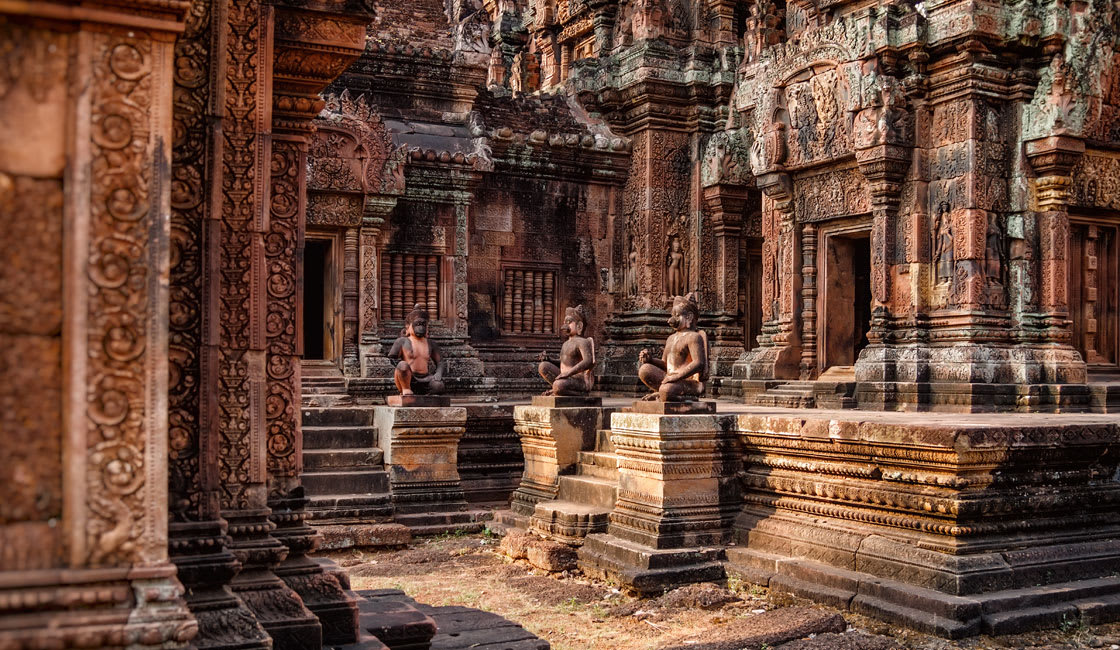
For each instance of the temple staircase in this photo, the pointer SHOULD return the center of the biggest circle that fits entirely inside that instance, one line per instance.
(584, 500)
(322, 384)
(344, 474)
(834, 389)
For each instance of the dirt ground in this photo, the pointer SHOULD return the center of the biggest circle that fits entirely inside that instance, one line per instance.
(575, 613)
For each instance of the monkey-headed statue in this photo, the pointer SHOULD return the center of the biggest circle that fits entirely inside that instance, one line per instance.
(419, 369)
(573, 378)
(678, 376)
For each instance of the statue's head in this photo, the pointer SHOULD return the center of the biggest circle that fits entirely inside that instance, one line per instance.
(574, 321)
(417, 323)
(685, 312)
(675, 244)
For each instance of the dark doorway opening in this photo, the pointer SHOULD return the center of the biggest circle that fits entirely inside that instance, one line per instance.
(315, 260)
(847, 299)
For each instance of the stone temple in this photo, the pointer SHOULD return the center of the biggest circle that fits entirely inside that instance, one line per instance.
(897, 223)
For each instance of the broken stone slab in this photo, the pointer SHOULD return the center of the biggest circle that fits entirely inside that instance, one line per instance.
(648, 571)
(356, 535)
(551, 439)
(767, 629)
(658, 407)
(541, 553)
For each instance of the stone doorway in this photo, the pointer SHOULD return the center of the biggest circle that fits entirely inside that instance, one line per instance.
(1094, 291)
(750, 300)
(846, 300)
(322, 309)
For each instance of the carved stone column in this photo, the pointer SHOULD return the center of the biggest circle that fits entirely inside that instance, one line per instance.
(779, 355)
(727, 204)
(377, 210)
(199, 540)
(1053, 159)
(310, 49)
(85, 192)
(809, 301)
(884, 165)
(351, 363)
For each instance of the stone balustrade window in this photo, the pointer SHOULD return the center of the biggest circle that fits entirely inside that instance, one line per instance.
(528, 301)
(408, 280)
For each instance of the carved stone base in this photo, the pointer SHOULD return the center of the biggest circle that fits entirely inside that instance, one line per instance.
(973, 397)
(95, 608)
(421, 447)
(952, 524)
(320, 590)
(962, 363)
(277, 607)
(648, 571)
(206, 567)
(566, 401)
(551, 439)
(675, 486)
(769, 362)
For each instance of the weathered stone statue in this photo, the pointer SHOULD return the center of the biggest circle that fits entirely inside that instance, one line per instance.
(575, 374)
(420, 368)
(632, 270)
(680, 373)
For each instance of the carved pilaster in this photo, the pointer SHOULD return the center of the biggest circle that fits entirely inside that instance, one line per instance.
(351, 363)
(779, 353)
(809, 301)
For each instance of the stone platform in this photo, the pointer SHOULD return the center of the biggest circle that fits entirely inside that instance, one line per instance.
(953, 524)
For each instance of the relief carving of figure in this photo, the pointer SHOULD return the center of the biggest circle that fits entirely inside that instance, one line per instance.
(631, 280)
(993, 251)
(680, 373)
(575, 374)
(419, 364)
(648, 20)
(943, 244)
(675, 273)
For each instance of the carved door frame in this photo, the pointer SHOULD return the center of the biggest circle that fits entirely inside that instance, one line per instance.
(332, 293)
(1107, 289)
(849, 228)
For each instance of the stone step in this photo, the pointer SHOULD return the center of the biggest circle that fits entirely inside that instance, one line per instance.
(568, 522)
(339, 415)
(372, 481)
(598, 464)
(603, 441)
(334, 459)
(339, 437)
(326, 401)
(322, 390)
(350, 507)
(588, 490)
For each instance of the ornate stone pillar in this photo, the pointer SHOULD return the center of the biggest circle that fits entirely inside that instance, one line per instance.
(199, 540)
(727, 204)
(351, 363)
(310, 50)
(779, 355)
(377, 210)
(85, 191)
(884, 164)
(1053, 159)
(809, 302)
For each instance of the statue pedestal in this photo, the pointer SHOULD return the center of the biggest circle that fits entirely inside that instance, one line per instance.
(421, 447)
(418, 401)
(657, 407)
(567, 401)
(551, 439)
(676, 500)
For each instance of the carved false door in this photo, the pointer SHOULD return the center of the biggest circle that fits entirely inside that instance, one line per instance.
(1094, 292)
